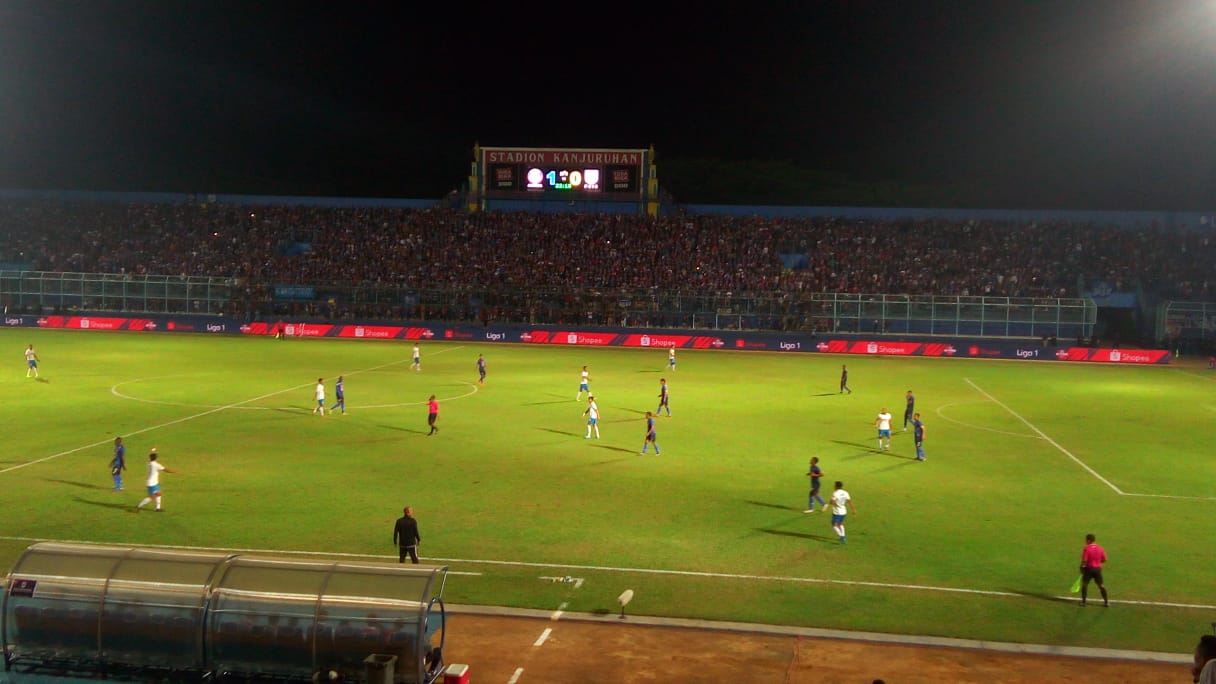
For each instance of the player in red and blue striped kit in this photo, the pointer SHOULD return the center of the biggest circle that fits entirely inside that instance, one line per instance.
(651, 435)
(664, 397)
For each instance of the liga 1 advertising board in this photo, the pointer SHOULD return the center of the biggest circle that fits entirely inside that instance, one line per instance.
(985, 348)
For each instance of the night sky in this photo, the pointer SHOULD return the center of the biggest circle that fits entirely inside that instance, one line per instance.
(1062, 103)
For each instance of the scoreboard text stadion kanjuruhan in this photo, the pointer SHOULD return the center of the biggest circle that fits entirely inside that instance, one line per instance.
(547, 174)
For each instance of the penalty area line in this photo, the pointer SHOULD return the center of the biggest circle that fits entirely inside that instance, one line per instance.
(1049, 440)
(148, 429)
(1091, 471)
(201, 414)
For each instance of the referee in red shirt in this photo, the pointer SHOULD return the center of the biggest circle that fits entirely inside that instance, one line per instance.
(1092, 558)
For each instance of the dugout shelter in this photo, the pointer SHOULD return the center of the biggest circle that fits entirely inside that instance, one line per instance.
(106, 611)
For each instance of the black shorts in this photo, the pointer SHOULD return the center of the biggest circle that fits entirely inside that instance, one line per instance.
(1094, 574)
(430, 418)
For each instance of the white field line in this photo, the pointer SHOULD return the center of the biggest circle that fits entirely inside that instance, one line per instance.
(1209, 376)
(1081, 463)
(540, 640)
(943, 416)
(192, 417)
(639, 571)
(178, 547)
(561, 610)
(301, 409)
(1172, 496)
(515, 677)
(1050, 441)
(148, 429)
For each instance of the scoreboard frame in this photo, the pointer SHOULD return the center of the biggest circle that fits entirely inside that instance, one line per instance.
(561, 174)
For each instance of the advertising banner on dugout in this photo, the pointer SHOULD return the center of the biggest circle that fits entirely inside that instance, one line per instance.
(974, 348)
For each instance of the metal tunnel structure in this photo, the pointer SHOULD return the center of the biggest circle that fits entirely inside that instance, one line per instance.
(96, 610)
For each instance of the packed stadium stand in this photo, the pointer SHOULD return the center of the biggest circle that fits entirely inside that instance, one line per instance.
(536, 267)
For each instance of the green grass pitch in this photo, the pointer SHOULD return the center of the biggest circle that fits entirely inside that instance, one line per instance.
(981, 541)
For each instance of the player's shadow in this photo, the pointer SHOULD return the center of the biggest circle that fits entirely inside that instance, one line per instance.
(603, 463)
(542, 403)
(800, 535)
(1043, 597)
(612, 448)
(859, 445)
(82, 485)
(773, 505)
(559, 432)
(825, 394)
(116, 505)
(907, 461)
(650, 371)
(44, 381)
(640, 412)
(398, 428)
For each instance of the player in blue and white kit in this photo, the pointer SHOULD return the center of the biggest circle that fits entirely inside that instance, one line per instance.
(481, 369)
(593, 417)
(842, 504)
(671, 359)
(883, 423)
(339, 396)
(663, 398)
(584, 384)
(118, 463)
(651, 435)
(31, 362)
(319, 393)
(417, 364)
(154, 471)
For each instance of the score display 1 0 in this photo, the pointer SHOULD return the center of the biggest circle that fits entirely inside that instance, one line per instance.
(563, 179)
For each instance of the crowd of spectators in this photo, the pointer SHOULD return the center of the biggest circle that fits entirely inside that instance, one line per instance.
(567, 256)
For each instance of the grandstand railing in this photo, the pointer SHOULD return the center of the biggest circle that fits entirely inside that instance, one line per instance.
(823, 312)
(1189, 326)
(134, 293)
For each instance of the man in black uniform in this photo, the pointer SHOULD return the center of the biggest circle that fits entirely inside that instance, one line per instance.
(405, 536)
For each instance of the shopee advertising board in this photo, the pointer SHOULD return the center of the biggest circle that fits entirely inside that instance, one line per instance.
(986, 348)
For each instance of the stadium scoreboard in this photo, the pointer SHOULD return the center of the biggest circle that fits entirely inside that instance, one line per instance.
(549, 174)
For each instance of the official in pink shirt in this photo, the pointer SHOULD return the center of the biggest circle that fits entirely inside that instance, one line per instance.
(432, 414)
(1092, 558)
